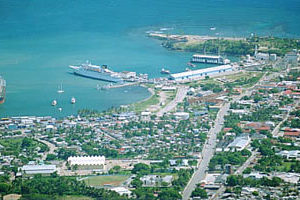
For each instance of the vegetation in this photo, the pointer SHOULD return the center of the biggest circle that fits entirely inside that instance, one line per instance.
(233, 158)
(280, 46)
(247, 81)
(211, 86)
(214, 46)
(115, 180)
(142, 105)
(270, 161)
(141, 169)
(56, 186)
(199, 192)
(292, 75)
(238, 180)
(25, 149)
(183, 178)
(147, 193)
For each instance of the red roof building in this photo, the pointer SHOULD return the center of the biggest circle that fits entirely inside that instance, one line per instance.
(289, 132)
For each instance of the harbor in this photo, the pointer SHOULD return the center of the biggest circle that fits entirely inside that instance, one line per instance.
(33, 76)
(150, 100)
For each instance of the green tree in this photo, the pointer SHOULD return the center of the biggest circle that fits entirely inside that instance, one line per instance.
(116, 169)
(169, 194)
(199, 192)
(136, 183)
(51, 157)
(4, 188)
(233, 180)
(141, 169)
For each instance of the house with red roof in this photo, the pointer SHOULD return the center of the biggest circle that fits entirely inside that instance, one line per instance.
(292, 133)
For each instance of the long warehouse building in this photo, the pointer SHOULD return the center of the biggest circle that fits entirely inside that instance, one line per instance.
(200, 73)
(86, 160)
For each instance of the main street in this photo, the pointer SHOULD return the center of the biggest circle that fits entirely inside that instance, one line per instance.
(207, 152)
(208, 149)
(254, 155)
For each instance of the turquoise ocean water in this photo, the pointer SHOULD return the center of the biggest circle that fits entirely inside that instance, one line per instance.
(39, 39)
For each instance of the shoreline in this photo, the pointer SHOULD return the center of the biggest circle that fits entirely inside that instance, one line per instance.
(191, 38)
(235, 46)
(146, 99)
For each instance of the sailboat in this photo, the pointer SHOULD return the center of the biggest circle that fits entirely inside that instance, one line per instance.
(60, 89)
(73, 100)
(54, 103)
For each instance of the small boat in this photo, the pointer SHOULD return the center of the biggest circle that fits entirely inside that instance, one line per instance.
(54, 103)
(98, 87)
(191, 64)
(59, 109)
(60, 89)
(187, 69)
(212, 28)
(164, 71)
(73, 100)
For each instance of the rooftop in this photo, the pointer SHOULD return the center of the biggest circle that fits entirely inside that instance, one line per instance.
(206, 56)
(200, 71)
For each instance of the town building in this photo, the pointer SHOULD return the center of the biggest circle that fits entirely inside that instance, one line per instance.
(201, 73)
(181, 115)
(292, 57)
(156, 180)
(210, 59)
(262, 56)
(239, 143)
(122, 191)
(38, 169)
(273, 57)
(86, 160)
(290, 154)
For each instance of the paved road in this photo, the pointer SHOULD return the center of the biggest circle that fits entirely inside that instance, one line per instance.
(51, 146)
(247, 163)
(208, 149)
(255, 153)
(207, 153)
(180, 95)
(276, 130)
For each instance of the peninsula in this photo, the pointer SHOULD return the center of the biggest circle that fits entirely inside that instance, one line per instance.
(236, 46)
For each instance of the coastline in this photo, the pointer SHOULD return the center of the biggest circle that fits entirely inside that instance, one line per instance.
(152, 93)
(191, 38)
(234, 46)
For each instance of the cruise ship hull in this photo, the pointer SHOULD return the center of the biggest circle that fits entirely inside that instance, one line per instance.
(2, 90)
(96, 75)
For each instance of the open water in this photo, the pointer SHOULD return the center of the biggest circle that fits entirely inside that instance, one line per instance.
(39, 39)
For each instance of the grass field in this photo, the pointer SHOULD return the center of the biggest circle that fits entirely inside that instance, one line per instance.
(105, 180)
(74, 197)
(286, 166)
(143, 105)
